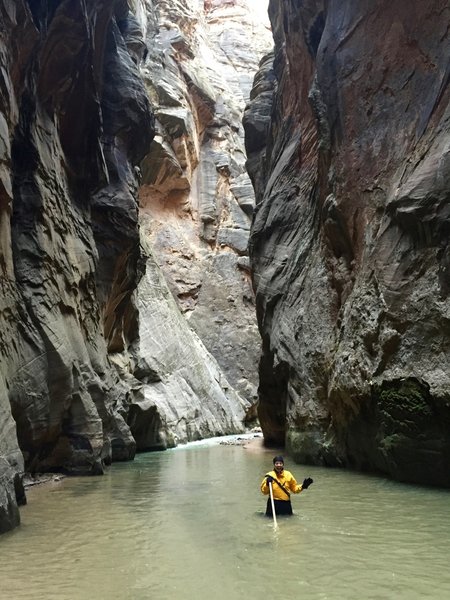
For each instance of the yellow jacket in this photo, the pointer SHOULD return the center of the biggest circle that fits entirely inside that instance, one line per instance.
(287, 480)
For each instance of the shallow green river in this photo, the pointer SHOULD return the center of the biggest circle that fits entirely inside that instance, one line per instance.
(187, 524)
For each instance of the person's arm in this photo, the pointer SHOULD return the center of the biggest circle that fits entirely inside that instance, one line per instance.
(297, 488)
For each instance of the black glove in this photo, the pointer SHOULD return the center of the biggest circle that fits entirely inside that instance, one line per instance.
(269, 479)
(306, 483)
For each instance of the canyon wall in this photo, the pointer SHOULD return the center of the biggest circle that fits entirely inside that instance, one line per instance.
(196, 197)
(195, 375)
(75, 121)
(348, 141)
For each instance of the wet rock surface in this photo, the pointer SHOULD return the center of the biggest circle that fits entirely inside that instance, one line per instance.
(349, 242)
(41, 479)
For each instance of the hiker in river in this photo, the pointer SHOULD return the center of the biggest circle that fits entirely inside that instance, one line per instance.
(283, 484)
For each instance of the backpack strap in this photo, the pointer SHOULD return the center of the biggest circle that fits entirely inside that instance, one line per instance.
(288, 494)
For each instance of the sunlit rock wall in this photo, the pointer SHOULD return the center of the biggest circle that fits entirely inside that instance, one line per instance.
(196, 197)
(348, 140)
(74, 123)
(179, 392)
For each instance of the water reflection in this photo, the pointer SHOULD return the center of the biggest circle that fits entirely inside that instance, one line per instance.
(189, 524)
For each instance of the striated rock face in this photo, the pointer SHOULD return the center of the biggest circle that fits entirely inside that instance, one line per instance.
(96, 357)
(179, 393)
(196, 197)
(349, 240)
(74, 122)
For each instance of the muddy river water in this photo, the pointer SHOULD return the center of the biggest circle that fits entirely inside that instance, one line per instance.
(188, 524)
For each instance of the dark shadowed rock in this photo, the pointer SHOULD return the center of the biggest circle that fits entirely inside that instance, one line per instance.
(71, 106)
(349, 239)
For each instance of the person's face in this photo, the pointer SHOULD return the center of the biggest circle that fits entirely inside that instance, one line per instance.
(278, 466)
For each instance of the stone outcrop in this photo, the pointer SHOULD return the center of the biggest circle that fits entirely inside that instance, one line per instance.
(347, 134)
(195, 189)
(179, 393)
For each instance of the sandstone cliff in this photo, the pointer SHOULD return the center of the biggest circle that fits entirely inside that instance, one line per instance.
(196, 197)
(348, 140)
(196, 202)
